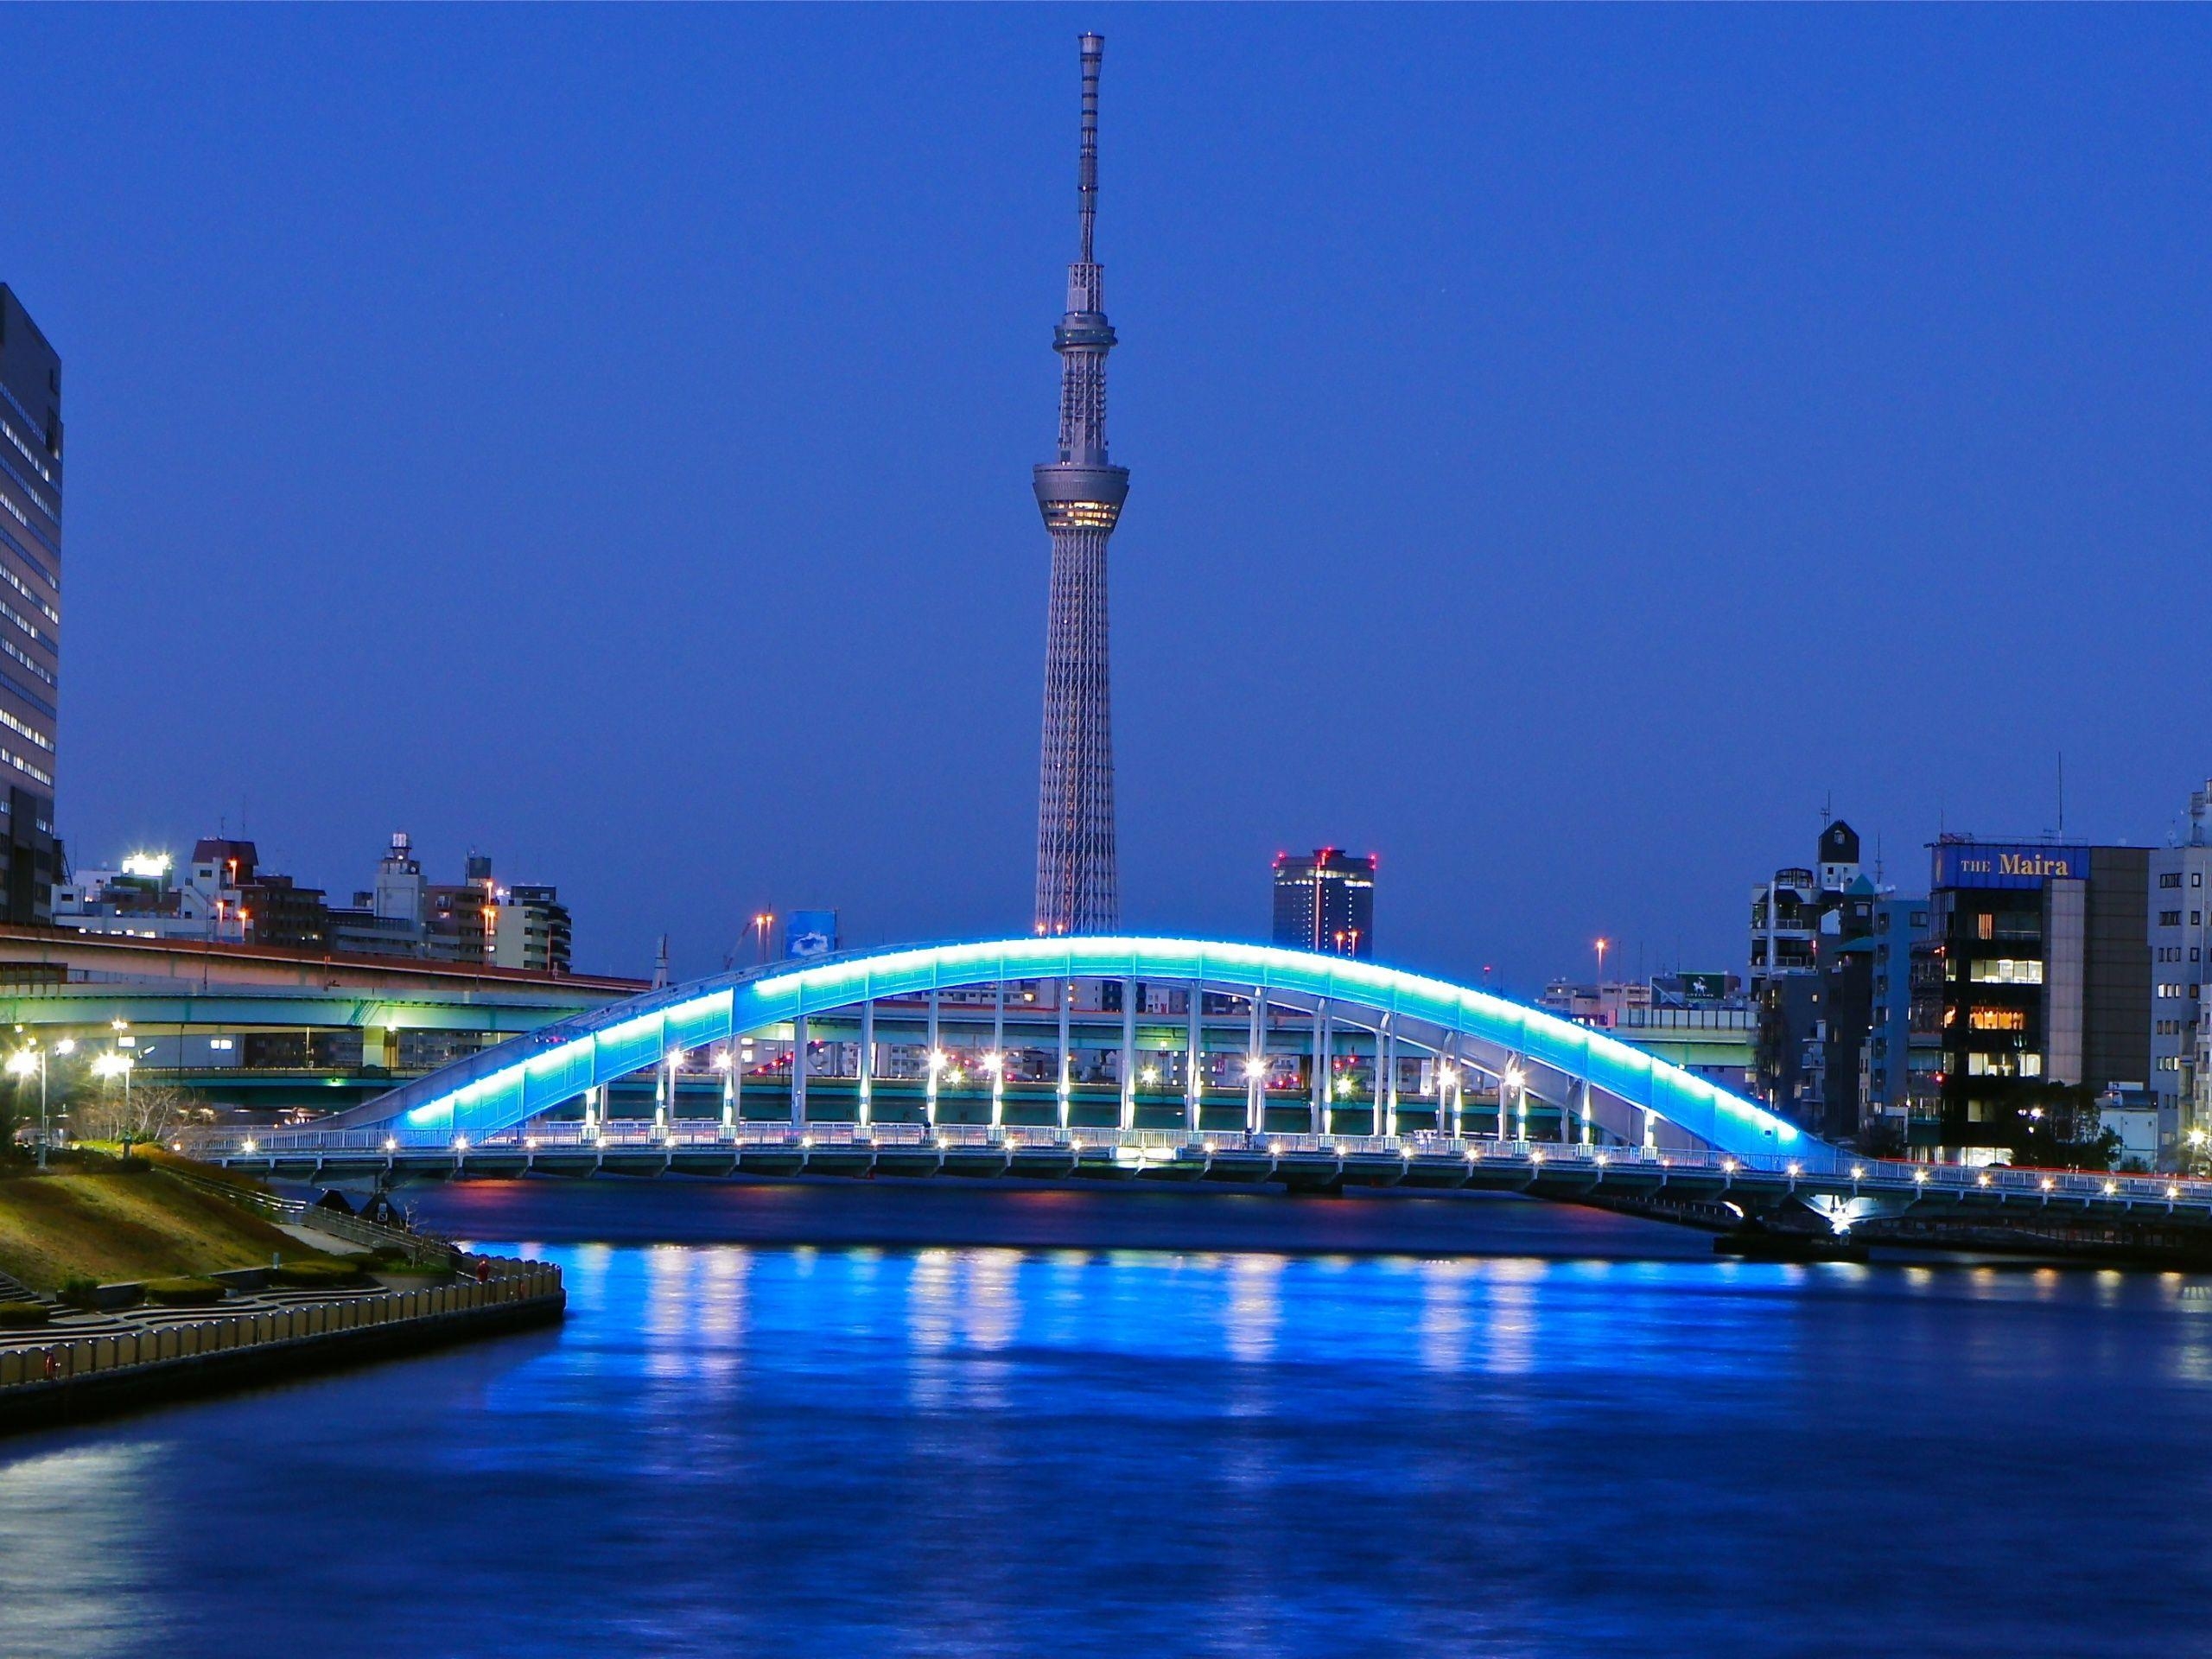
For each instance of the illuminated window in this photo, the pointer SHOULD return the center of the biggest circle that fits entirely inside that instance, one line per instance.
(2007, 970)
(1997, 1019)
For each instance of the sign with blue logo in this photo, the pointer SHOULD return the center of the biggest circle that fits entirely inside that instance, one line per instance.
(811, 933)
(1992, 864)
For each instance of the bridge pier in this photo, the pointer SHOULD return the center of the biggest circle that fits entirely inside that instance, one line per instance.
(1194, 1060)
(1322, 1036)
(1386, 1076)
(1128, 1119)
(866, 1107)
(1064, 994)
(798, 1072)
(1255, 1066)
(997, 1063)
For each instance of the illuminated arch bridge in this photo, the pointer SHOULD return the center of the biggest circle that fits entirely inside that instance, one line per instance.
(1110, 1043)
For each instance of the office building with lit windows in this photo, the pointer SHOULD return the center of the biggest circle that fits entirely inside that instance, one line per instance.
(2034, 970)
(2176, 914)
(30, 612)
(1326, 902)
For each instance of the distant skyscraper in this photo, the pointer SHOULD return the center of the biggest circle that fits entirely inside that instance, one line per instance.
(1081, 496)
(1326, 902)
(30, 618)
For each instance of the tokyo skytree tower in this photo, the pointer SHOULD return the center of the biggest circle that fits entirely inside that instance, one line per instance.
(1080, 495)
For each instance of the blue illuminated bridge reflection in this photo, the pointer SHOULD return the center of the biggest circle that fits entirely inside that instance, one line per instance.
(1096, 1454)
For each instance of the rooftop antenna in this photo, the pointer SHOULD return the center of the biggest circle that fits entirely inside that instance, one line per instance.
(2061, 791)
(1086, 183)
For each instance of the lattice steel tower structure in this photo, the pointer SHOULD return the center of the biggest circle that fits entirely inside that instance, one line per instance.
(1081, 496)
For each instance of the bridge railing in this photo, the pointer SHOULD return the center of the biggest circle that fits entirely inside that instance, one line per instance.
(710, 1134)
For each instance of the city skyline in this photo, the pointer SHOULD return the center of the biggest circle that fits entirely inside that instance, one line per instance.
(293, 480)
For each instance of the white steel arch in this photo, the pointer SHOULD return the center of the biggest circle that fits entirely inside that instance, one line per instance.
(526, 1076)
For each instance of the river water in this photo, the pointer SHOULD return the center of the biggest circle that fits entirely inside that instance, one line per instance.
(1160, 1425)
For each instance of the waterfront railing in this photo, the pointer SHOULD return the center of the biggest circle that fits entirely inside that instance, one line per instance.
(506, 1284)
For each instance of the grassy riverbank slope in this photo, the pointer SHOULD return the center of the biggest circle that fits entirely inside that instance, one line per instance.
(118, 1223)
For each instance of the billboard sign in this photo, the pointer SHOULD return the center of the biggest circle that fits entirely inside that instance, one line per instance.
(810, 933)
(1995, 864)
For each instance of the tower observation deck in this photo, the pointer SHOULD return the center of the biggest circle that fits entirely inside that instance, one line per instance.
(1080, 495)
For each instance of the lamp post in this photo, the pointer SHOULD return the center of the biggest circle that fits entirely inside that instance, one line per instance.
(1256, 1103)
(21, 1063)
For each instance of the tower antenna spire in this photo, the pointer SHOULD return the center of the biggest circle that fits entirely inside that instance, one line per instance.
(1086, 180)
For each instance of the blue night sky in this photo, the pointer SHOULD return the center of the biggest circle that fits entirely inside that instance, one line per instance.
(1569, 446)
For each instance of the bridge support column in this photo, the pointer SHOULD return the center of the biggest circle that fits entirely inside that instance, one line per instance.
(1066, 994)
(1129, 994)
(665, 1096)
(1319, 1110)
(932, 1065)
(1505, 1089)
(1386, 1077)
(867, 1063)
(798, 1072)
(591, 1114)
(1256, 1067)
(1576, 1105)
(1453, 1073)
(997, 1063)
(1194, 1061)
(729, 1091)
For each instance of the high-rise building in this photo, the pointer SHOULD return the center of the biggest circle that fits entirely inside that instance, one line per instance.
(2035, 972)
(1889, 1057)
(2179, 926)
(30, 615)
(1080, 495)
(1326, 901)
(530, 929)
(1797, 963)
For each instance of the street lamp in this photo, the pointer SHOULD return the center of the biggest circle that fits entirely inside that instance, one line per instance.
(21, 1063)
(1603, 944)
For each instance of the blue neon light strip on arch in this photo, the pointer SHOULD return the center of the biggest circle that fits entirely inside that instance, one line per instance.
(526, 1076)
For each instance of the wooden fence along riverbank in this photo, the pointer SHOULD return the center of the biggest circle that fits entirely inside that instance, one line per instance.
(84, 1361)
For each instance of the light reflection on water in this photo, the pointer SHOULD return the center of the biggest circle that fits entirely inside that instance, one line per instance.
(1005, 1451)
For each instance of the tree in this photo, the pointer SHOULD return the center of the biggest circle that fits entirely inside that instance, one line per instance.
(2049, 1125)
(129, 1115)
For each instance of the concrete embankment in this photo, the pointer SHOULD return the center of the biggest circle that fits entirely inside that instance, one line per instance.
(62, 1378)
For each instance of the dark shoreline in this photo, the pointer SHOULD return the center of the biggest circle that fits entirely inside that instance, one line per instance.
(175, 1381)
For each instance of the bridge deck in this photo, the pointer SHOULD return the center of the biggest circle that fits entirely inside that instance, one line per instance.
(1872, 1201)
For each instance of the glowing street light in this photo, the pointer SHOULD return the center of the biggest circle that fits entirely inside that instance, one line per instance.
(20, 1065)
